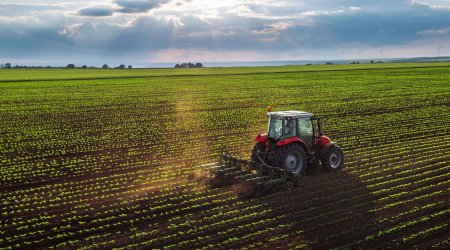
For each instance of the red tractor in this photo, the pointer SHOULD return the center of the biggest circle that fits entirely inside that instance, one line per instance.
(294, 139)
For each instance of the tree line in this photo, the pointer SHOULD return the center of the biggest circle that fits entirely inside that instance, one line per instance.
(69, 66)
(105, 66)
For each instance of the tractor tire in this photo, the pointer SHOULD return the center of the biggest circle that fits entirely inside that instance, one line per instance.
(258, 146)
(291, 157)
(333, 159)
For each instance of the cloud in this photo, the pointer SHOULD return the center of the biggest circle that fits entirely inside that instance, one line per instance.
(439, 32)
(268, 39)
(32, 36)
(138, 6)
(274, 28)
(97, 11)
(13, 10)
(435, 3)
(255, 30)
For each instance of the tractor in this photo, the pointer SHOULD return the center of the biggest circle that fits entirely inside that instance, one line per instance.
(293, 142)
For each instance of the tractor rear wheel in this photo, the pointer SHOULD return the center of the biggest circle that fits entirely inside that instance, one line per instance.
(258, 146)
(334, 159)
(291, 157)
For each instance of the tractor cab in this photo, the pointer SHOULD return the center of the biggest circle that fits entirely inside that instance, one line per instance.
(288, 124)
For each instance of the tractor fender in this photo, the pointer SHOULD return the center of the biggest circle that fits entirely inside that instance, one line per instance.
(262, 138)
(324, 149)
(324, 140)
(294, 139)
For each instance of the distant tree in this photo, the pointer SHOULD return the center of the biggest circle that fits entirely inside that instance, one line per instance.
(189, 65)
(122, 66)
(70, 66)
(130, 67)
(371, 61)
(329, 63)
(84, 67)
(105, 66)
(7, 65)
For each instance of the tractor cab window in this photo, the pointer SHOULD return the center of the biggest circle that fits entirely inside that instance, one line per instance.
(305, 129)
(282, 128)
(305, 126)
(289, 128)
(275, 128)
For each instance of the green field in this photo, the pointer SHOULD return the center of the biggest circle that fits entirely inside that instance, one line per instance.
(76, 74)
(100, 158)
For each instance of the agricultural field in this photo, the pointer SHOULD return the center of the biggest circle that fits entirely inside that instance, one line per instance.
(100, 158)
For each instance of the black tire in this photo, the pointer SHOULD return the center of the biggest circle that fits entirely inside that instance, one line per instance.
(258, 146)
(333, 159)
(291, 157)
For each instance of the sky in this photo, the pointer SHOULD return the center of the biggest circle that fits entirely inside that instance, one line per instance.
(57, 32)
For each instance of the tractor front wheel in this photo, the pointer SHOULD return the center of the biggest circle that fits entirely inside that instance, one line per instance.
(334, 159)
(291, 157)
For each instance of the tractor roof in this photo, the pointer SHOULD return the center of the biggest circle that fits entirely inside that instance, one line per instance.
(289, 114)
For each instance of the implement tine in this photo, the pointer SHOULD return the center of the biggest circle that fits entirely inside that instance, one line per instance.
(259, 179)
(209, 164)
(214, 167)
(247, 177)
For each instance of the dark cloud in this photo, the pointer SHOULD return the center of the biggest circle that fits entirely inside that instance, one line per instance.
(370, 27)
(97, 11)
(137, 6)
(25, 40)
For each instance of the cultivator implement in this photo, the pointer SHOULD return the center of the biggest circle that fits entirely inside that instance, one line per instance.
(246, 177)
(293, 141)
